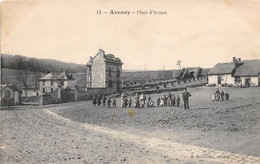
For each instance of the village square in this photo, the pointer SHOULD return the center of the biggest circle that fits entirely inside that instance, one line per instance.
(204, 109)
(130, 82)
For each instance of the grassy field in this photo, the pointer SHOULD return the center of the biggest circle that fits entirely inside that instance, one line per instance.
(229, 125)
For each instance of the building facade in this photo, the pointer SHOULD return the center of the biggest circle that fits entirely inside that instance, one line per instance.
(52, 81)
(236, 73)
(10, 95)
(104, 71)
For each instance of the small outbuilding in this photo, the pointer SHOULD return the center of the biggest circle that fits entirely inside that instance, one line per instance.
(237, 73)
(10, 96)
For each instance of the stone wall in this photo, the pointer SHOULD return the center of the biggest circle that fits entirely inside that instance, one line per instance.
(98, 72)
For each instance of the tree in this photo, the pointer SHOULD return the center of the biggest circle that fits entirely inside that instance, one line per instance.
(24, 79)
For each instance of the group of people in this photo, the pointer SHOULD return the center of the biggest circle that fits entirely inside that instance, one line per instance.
(220, 96)
(103, 100)
(142, 100)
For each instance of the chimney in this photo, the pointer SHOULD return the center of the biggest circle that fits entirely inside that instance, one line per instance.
(238, 59)
(91, 58)
(235, 61)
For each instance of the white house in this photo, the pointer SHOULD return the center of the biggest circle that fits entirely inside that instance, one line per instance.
(52, 81)
(238, 72)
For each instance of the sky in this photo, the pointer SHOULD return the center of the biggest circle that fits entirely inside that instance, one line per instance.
(199, 33)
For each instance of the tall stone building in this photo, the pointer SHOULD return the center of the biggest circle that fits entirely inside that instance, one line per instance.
(104, 72)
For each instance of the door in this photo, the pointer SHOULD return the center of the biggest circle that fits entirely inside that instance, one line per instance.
(219, 80)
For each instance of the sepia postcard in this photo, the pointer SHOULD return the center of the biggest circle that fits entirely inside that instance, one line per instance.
(110, 81)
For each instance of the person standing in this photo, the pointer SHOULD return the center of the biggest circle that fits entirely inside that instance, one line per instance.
(173, 100)
(164, 100)
(129, 101)
(226, 96)
(94, 101)
(98, 100)
(222, 94)
(185, 96)
(114, 101)
(158, 101)
(136, 101)
(108, 102)
(104, 101)
(217, 95)
(178, 100)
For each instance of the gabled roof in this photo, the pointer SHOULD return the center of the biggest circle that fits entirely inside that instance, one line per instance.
(248, 68)
(55, 76)
(108, 58)
(10, 86)
(222, 68)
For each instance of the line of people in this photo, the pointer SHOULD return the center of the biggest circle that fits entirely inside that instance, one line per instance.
(220, 96)
(97, 101)
(142, 100)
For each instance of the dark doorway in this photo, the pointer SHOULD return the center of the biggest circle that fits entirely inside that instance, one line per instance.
(219, 80)
(247, 82)
(192, 75)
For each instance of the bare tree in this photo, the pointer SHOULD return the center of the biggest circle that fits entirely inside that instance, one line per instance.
(24, 79)
(5, 80)
(36, 76)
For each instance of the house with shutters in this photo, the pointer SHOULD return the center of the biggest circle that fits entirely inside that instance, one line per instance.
(53, 80)
(104, 73)
(236, 73)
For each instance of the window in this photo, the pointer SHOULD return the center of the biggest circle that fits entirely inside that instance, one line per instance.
(237, 79)
(118, 73)
(109, 72)
(43, 83)
(34, 90)
(110, 84)
(43, 90)
(52, 82)
(7, 94)
(51, 89)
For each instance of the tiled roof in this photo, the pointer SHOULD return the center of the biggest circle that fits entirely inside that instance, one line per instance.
(222, 68)
(248, 68)
(55, 76)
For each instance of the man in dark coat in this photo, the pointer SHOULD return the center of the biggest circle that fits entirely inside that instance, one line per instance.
(222, 94)
(94, 101)
(98, 100)
(185, 96)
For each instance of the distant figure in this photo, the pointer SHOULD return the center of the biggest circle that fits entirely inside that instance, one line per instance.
(226, 96)
(178, 100)
(108, 102)
(158, 101)
(98, 100)
(136, 101)
(162, 102)
(222, 94)
(217, 95)
(169, 101)
(150, 103)
(185, 96)
(129, 101)
(122, 100)
(114, 101)
(94, 101)
(104, 101)
(142, 98)
(213, 97)
(173, 100)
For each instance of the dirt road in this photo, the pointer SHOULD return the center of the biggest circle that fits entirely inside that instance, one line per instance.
(41, 136)
(33, 136)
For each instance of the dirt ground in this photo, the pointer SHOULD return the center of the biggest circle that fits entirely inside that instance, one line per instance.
(81, 133)
(229, 125)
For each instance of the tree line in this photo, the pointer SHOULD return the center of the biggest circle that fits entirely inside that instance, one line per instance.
(19, 62)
